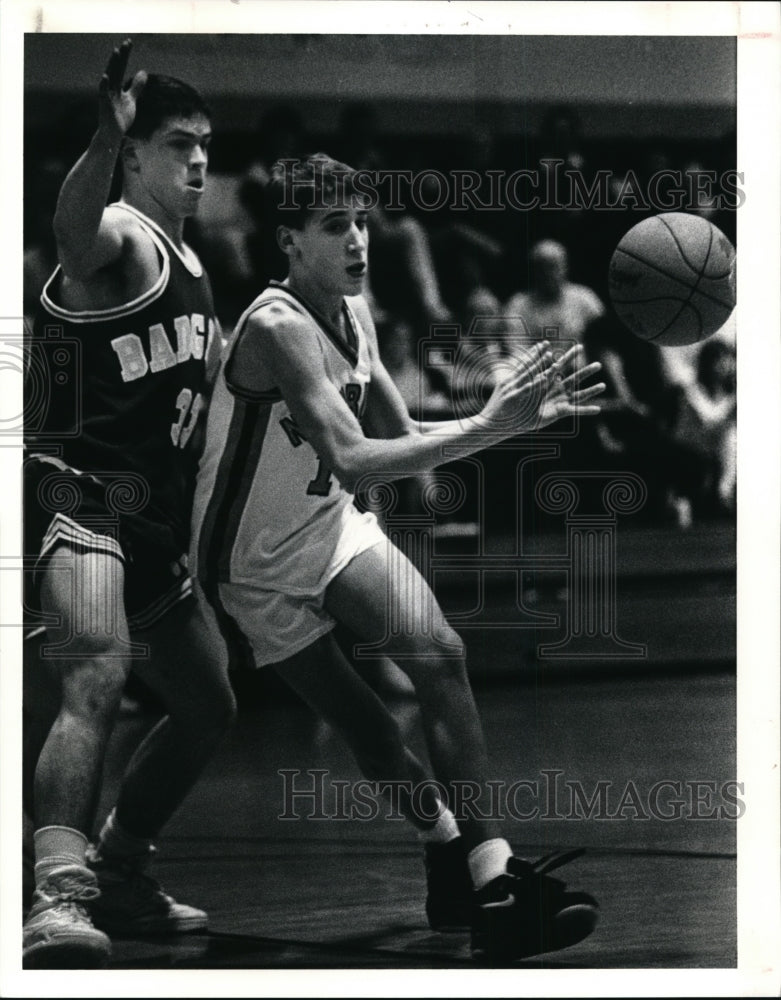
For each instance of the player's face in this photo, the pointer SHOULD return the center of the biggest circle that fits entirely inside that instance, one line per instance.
(333, 247)
(172, 164)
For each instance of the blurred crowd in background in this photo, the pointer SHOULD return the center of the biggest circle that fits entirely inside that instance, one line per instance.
(496, 277)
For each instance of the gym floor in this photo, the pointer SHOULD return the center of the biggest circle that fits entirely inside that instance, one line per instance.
(655, 737)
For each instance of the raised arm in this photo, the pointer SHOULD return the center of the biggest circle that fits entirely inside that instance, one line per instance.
(278, 343)
(88, 238)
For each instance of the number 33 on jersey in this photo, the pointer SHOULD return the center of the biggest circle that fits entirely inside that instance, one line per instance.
(124, 386)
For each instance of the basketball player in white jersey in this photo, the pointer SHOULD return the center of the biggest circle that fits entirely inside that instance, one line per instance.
(302, 410)
(108, 492)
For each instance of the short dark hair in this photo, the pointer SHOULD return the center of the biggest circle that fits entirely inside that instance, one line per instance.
(300, 187)
(165, 97)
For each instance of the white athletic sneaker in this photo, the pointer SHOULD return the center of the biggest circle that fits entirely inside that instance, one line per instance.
(58, 933)
(132, 902)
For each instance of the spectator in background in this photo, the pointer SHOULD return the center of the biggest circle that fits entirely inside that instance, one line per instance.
(42, 185)
(704, 197)
(669, 416)
(423, 400)
(629, 182)
(560, 137)
(229, 234)
(468, 243)
(402, 278)
(635, 380)
(557, 310)
(280, 135)
(482, 346)
(717, 375)
(634, 430)
(358, 138)
(705, 424)
(560, 151)
(554, 308)
(465, 260)
(220, 237)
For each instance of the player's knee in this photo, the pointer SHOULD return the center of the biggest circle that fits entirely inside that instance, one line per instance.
(441, 650)
(438, 667)
(92, 686)
(450, 670)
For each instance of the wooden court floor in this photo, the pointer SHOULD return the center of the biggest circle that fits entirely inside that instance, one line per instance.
(329, 893)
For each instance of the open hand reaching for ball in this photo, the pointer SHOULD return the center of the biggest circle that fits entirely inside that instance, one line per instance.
(563, 395)
(534, 391)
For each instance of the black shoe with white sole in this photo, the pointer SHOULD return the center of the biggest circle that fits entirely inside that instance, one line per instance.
(527, 912)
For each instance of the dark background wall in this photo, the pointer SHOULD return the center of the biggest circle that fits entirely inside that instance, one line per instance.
(638, 85)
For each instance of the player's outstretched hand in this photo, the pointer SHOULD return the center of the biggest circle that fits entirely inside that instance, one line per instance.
(564, 395)
(533, 391)
(117, 104)
(520, 386)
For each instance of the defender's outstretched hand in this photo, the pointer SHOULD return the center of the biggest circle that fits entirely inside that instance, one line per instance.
(563, 397)
(117, 104)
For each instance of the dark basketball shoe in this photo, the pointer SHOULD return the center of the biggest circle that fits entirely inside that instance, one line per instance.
(132, 902)
(450, 895)
(527, 912)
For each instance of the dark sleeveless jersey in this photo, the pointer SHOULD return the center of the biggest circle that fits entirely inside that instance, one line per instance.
(117, 393)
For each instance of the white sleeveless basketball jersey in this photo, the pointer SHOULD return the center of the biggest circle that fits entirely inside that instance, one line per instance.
(267, 510)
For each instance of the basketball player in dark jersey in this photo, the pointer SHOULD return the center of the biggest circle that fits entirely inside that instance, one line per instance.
(115, 389)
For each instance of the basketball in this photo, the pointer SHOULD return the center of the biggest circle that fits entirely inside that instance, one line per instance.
(672, 279)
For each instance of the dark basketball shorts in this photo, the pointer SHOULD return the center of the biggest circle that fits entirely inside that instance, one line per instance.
(65, 507)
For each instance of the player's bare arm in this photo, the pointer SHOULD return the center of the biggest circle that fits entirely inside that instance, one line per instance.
(90, 237)
(386, 414)
(279, 350)
(565, 395)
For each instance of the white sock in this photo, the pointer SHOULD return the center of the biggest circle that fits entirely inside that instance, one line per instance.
(443, 831)
(488, 860)
(118, 843)
(56, 846)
